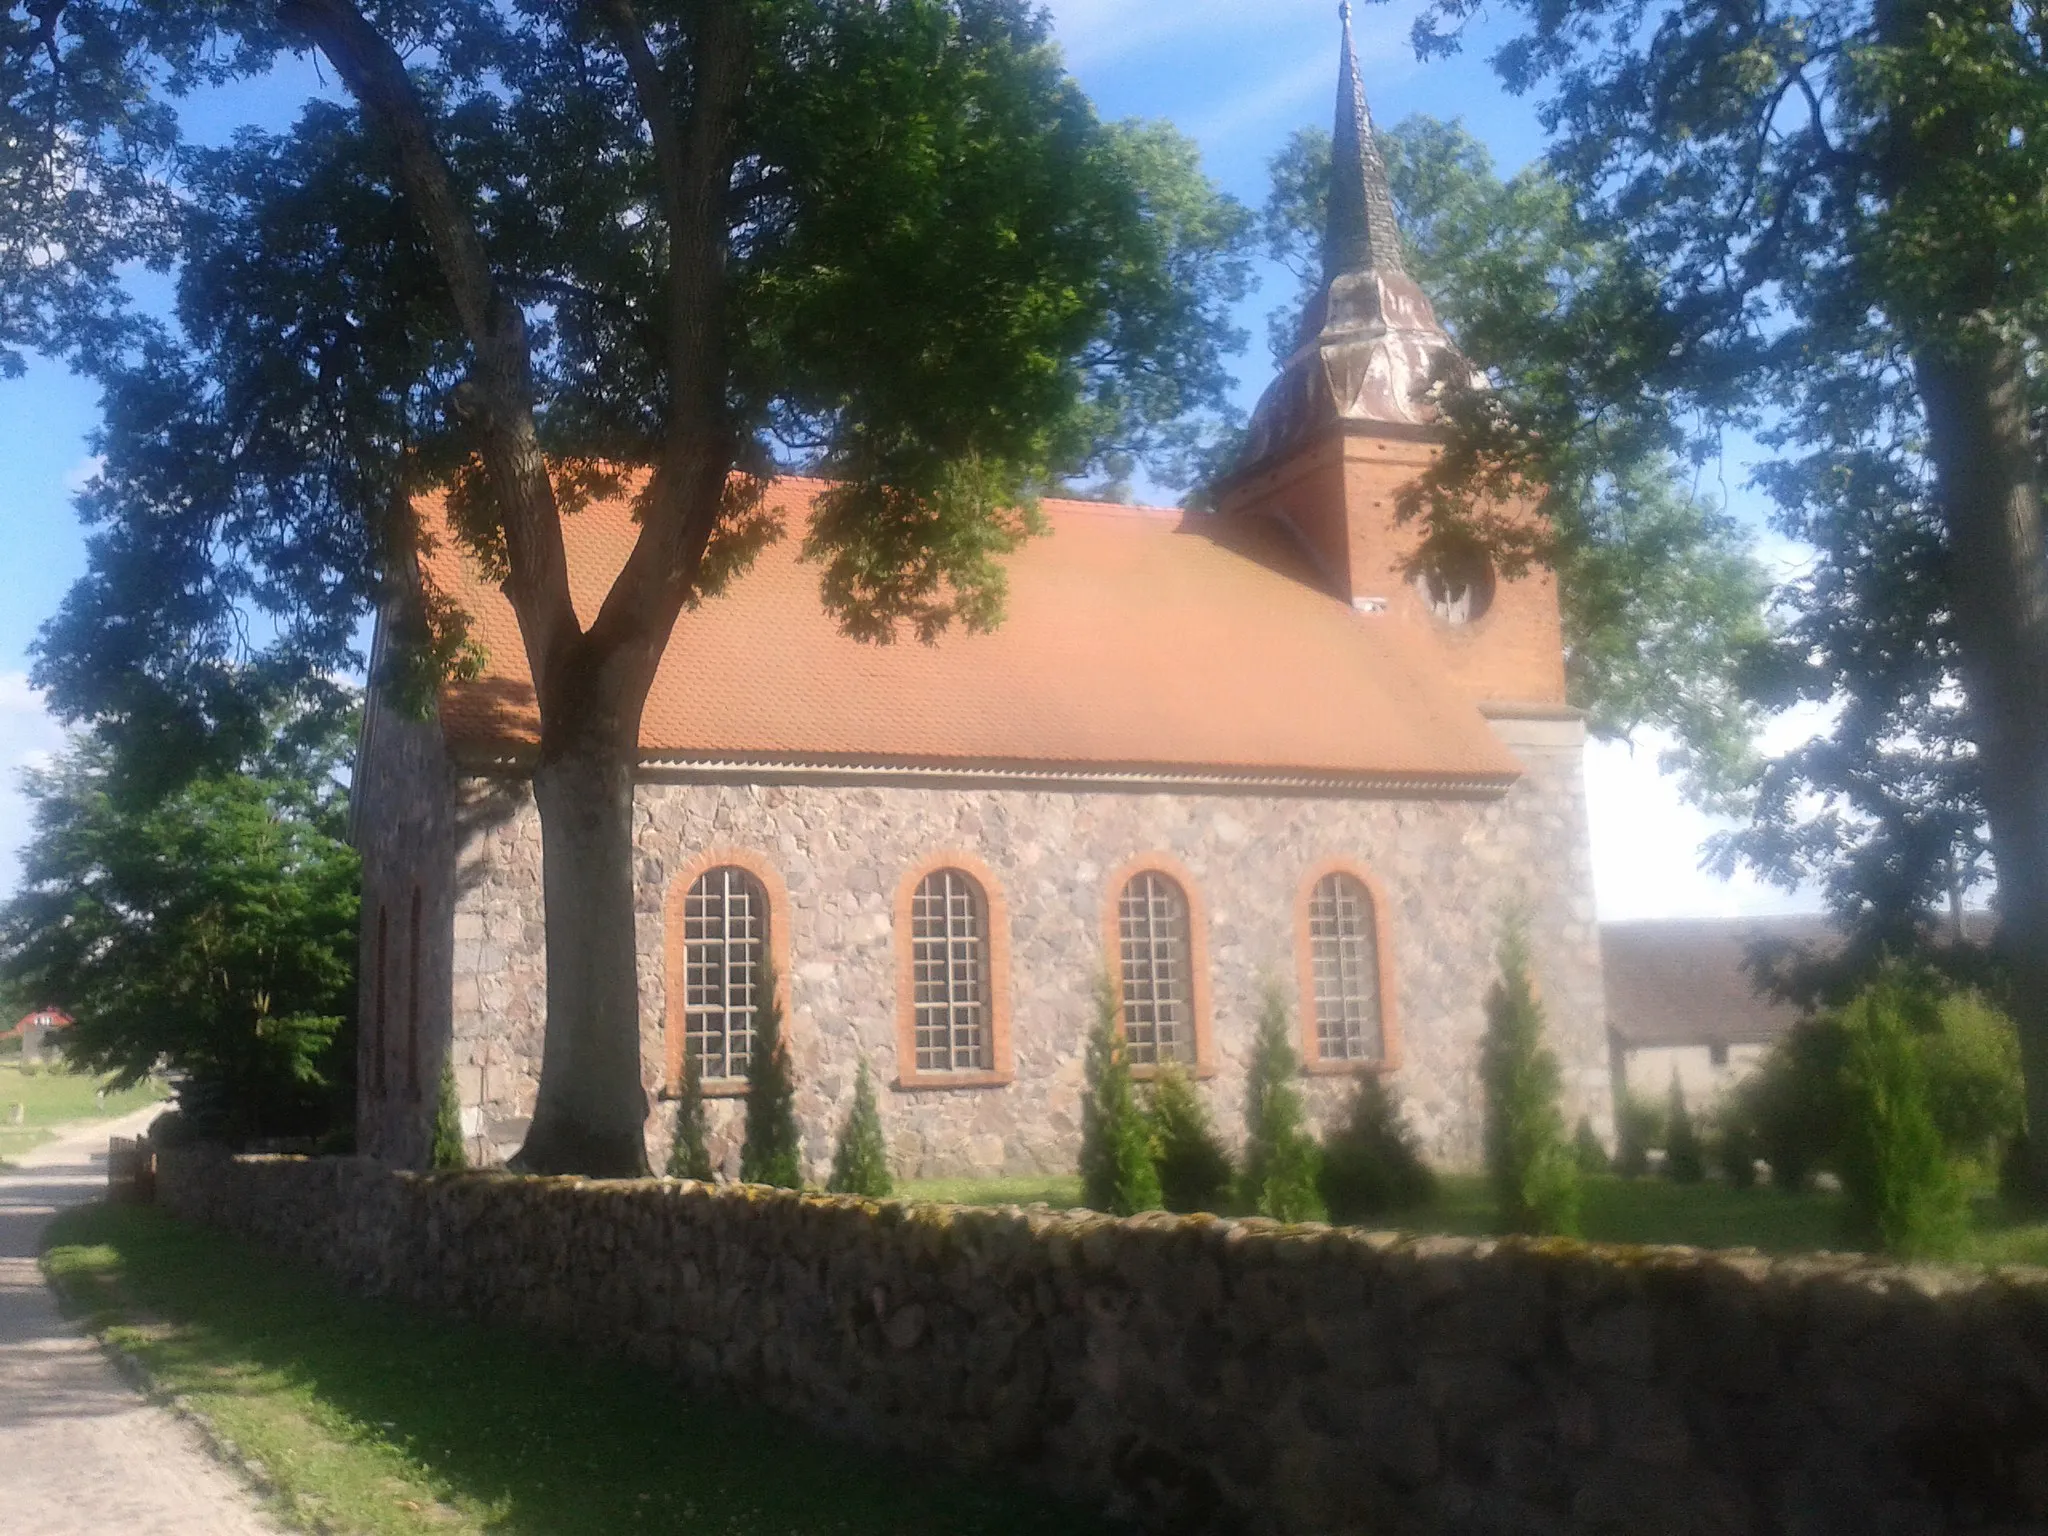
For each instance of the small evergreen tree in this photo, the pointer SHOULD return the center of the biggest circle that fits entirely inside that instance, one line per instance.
(689, 1155)
(1194, 1169)
(1587, 1151)
(448, 1154)
(1737, 1148)
(1535, 1181)
(1902, 1192)
(1118, 1174)
(860, 1163)
(1371, 1165)
(773, 1152)
(1635, 1132)
(1281, 1159)
(1684, 1163)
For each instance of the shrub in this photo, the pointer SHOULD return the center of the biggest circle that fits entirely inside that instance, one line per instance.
(1974, 1088)
(1795, 1101)
(1684, 1163)
(1528, 1160)
(1587, 1151)
(1280, 1156)
(860, 1163)
(773, 1152)
(1117, 1171)
(1637, 1128)
(1194, 1169)
(1371, 1165)
(1902, 1192)
(448, 1154)
(689, 1152)
(1735, 1148)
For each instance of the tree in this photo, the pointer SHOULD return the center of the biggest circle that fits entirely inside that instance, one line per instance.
(1194, 1169)
(860, 1163)
(891, 244)
(1281, 1159)
(1842, 210)
(1117, 1171)
(215, 930)
(1902, 1193)
(688, 1156)
(1371, 1165)
(773, 1150)
(1684, 1159)
(1529, 1161)
(1588, 1151)
(1662, 602)
(448, 1155)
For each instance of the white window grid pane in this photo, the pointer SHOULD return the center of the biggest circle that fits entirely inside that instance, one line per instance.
(725, 925)
(1344, 969)
(1152, 940)
(949, 968)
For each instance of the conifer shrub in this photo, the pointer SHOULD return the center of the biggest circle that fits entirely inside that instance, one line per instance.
(1684, 1161)
(448, 1156)
(1194, 1169)
(1735, 1148)
(860, 1163)
(1281, 1159)
(1902, 1193)
(773, 1151)
(1587, 1150)
(1637, 1128)
(1118, 1174)
(1371, 1166)
(1528, 1159)
(689, 1152)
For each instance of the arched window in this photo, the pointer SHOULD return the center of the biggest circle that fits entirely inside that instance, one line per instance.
(725, 938)
(949, 966)
(1344, 970)
(1156, 966)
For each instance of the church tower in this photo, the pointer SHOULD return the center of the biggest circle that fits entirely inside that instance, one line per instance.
(1350, 421)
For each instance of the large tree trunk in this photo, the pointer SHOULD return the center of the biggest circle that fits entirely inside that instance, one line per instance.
(1973, 387)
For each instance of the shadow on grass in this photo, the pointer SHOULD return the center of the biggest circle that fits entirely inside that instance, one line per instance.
(531, 1439)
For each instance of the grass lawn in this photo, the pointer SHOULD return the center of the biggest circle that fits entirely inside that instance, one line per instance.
(51, 1095)
(1615, 1211)
(367, 1417)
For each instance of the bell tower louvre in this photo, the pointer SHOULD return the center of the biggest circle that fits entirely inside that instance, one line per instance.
(1350, 421)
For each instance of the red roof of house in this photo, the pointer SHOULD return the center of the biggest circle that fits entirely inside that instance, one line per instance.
(1135, 640)
(58, 1020)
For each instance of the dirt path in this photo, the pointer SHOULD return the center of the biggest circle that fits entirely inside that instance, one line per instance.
(81, 1453)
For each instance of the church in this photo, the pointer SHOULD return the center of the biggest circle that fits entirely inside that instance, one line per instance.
(1210, 755)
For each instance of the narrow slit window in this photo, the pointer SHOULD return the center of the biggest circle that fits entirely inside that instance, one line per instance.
(725, 936)
(381, 1017)
(412, 999)
(950, 973)
(1344, 963)
(1155, 961)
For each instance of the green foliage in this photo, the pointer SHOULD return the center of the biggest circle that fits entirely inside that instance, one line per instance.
(1587, 1151)
(1794, 1101)
(1974, 1087)
(1684, 1161)
(1194, 1168)
(689, 1155)
(1736, 1149)
(448, 1155)
(1528, 1159)
(1282, 1162)
(773, 1150)
(1637, 1128)
(1370, 1164)
(1902, 1192)
(215, 930)
(1118, 1174)
(860, 1163)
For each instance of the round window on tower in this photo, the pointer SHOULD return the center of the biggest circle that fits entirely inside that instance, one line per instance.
(1456, 581)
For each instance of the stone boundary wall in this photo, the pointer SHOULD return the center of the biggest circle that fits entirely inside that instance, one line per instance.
(1208, 1375)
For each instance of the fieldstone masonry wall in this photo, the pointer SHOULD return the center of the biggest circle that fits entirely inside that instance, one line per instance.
(1207, 1375)
(1450, 868)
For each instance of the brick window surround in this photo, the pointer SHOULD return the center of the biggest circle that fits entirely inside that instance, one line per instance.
(1198, 1001)
(995, 912)
(1389, 1058)
(675, 949)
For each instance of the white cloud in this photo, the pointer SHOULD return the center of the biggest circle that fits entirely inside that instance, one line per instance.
(28, 739)
(1647, 841)
(81, 474)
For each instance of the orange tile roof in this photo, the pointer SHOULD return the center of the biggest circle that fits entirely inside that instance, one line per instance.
(1136, 641)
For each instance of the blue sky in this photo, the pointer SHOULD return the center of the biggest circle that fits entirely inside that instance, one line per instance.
(1238, 77)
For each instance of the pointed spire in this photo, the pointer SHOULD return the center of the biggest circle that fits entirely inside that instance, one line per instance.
(1361, 234)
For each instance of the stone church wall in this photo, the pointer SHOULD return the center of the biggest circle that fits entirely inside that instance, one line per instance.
(1449, 870)
(1224, 1376)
